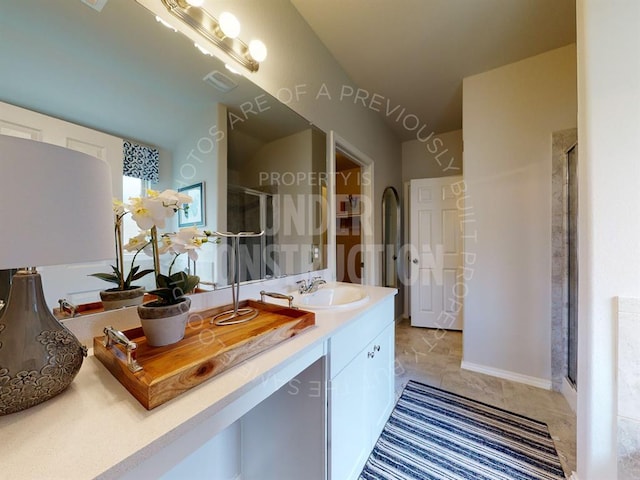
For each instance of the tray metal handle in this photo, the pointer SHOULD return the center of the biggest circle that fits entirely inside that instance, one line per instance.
(280, 296)
(113, 336)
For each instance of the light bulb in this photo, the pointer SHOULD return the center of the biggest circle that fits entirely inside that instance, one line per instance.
(229, 25)
(257, 50)
(195, 3)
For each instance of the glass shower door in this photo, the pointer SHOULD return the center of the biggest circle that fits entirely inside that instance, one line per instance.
(572, 223)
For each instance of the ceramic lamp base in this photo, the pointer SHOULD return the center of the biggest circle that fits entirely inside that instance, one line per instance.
(39, 357)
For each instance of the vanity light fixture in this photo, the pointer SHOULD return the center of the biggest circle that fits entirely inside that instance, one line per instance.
(223, 33)
(229, 25)
(258, 50)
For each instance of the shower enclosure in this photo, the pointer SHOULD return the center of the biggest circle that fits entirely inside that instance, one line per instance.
(572, 265)
(253, 211)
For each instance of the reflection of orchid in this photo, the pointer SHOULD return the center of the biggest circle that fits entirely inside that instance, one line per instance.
(135, 244)
(173, 286)
(152, 210)
(150, 213)
(188, 240)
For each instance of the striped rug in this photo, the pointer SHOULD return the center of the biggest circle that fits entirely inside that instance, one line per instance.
(434, 434)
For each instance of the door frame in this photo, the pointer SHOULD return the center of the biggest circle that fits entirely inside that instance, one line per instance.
(367, 218)
(406, 260)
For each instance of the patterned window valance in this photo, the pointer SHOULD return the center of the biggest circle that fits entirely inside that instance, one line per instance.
(140, 161)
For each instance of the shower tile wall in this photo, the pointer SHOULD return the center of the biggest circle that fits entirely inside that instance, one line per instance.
(628, 388)
(561, 142)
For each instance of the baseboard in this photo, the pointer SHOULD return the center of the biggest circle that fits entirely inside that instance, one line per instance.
(507, 375)
(570, 394)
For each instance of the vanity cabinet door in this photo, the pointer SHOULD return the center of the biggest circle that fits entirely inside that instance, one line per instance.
(349, 431)
(380, 388)
(361, 389)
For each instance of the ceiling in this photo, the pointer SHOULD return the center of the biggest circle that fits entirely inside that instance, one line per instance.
(67, 60)
(415, 53)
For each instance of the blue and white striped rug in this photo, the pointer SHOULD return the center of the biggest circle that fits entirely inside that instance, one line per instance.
(434, 434)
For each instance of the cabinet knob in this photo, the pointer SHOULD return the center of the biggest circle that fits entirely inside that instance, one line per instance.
(371, 354)
(415, 260)
(376, 348)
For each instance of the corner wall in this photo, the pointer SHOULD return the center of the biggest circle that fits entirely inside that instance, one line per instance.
(609, 261)
(508, 116)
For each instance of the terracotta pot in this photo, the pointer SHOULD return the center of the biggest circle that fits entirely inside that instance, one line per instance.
(164, 324)
(115, 298)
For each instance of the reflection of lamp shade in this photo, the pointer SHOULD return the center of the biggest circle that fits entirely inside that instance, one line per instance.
(55, 208)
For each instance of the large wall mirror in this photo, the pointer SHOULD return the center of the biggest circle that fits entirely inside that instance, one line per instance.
(121, 72)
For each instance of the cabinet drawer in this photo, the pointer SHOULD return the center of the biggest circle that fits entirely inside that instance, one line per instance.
(352, 339)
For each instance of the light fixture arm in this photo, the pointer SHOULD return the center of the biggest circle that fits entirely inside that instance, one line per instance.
(206, 25)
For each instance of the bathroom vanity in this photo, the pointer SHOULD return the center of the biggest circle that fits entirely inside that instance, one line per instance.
(311, 407)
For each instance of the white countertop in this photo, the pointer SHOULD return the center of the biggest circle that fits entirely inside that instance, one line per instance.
(96, 428)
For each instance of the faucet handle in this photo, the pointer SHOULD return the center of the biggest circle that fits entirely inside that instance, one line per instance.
(302, 286)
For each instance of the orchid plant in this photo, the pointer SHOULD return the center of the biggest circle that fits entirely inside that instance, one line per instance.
(135, 244)
(150, 213)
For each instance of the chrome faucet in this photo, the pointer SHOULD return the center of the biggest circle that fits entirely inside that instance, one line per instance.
(311, 286)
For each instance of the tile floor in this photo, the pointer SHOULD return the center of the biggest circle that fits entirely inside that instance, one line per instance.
(433, 357)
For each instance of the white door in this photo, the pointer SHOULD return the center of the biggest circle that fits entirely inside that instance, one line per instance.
(436, 253)
(67, 281)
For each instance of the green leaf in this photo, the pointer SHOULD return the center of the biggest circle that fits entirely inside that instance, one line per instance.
(107, 277)
(141, 274)
(192, 282)
(173, 287)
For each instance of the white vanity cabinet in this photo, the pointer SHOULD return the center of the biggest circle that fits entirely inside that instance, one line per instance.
(361, 389)
(311, 407)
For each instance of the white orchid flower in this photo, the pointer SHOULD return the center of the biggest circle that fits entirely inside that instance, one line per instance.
(148, 212)
(188, 240)
(118, 207)
(137, 242)
(175, 197)
(173, 201)
(164, 245)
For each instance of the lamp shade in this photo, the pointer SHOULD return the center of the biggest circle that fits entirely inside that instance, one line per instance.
(56, 205)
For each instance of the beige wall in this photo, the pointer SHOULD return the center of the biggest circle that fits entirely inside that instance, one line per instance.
(439, 156)
(508, 116)
(288, 156)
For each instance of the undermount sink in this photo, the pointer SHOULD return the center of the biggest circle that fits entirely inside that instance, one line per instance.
(333, 297)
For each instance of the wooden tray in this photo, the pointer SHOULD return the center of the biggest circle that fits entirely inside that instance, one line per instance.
(205, 351)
